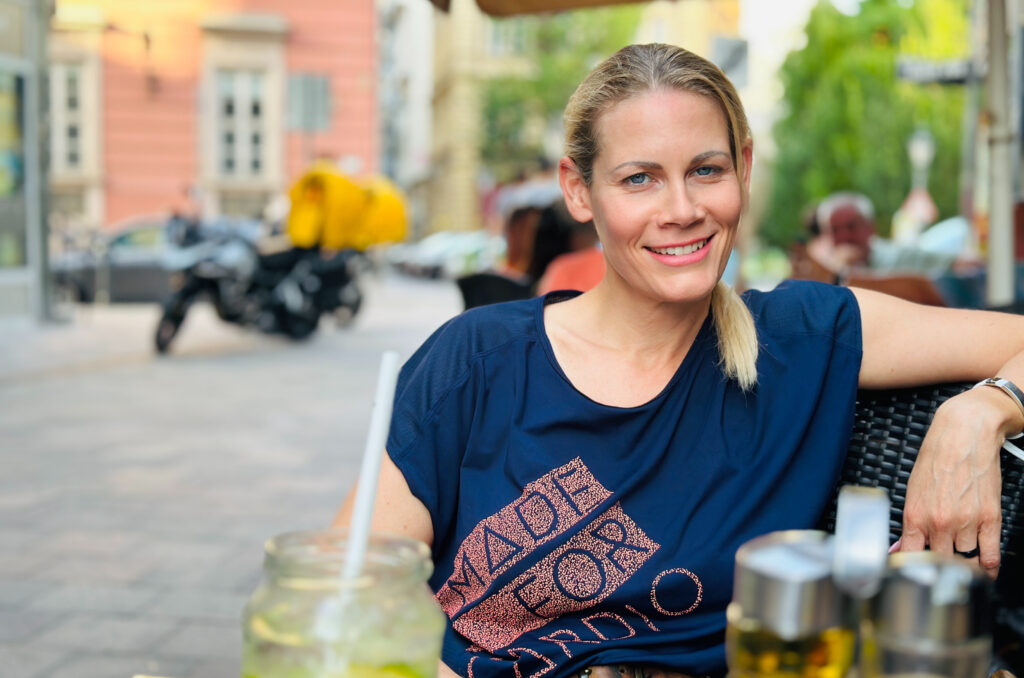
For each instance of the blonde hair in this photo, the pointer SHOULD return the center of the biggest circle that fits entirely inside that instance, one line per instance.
(634, 70)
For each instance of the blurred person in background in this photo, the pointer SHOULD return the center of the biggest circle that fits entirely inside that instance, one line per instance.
(847, 241)
(845, 228)
(584, 466)
(520, 232)
(581, 266)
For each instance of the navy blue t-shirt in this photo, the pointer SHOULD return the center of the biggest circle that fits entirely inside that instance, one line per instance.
(568, 533)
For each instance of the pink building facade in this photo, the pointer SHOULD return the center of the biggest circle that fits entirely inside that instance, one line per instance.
(214, 106)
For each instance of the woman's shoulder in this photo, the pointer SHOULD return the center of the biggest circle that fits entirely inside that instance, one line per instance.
(805, 307)
(479, 330)
(485, 326)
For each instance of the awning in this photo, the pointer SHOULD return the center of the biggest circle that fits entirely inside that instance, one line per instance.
(514, 7)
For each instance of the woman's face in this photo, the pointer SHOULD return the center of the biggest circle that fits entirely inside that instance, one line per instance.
(664, 196)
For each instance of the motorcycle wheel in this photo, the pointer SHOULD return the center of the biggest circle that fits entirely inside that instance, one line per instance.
(351, 302)
(171, 320)
(165, 331)
(300, 327)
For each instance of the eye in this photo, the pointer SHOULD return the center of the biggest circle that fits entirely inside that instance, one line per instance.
(638, 179)
(706, 171)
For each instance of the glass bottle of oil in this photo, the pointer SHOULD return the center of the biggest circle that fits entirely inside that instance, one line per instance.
(787, 619)
(931, 619)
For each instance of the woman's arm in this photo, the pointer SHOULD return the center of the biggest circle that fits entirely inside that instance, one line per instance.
(395, 510)
(953, 496)
(395, 507)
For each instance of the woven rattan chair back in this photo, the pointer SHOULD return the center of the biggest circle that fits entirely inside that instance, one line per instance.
(479, 289)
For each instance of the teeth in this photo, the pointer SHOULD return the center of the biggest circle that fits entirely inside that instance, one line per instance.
(679, 251)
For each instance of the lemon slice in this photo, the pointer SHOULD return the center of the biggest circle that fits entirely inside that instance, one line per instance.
(261, 628)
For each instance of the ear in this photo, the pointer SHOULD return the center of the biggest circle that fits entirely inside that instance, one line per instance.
(748, 163)
(575, 190)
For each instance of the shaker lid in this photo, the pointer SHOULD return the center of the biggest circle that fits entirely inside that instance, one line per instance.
(932, 596)
(784, 582)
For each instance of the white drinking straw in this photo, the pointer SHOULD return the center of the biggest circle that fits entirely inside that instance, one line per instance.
(366, 492)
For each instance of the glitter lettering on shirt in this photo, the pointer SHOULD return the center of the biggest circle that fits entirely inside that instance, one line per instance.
(548, 507)
(576, 576)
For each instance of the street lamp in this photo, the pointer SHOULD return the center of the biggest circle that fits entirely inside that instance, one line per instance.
(921, 149)
(918, 210)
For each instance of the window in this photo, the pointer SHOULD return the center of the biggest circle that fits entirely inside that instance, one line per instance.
(75, 145)
(243, 118)
(66, 154)
(309, 102)
(12, 167)
(240, 124)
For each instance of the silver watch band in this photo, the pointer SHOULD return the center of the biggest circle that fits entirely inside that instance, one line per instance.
(1010, 389)
(1007, 387)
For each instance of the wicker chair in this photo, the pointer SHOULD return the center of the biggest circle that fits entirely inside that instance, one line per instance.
(887, 433)
(479, 289)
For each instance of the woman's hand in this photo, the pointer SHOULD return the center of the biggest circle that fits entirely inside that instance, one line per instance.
(953, 496)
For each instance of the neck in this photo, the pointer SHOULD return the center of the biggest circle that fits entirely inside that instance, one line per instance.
(642, 326)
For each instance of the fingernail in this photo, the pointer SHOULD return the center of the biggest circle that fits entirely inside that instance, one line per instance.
(896, 547)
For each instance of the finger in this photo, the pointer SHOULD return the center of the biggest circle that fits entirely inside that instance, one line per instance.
(940, 542)
(897, 546)
(988, 547)
(912, 539)
(966, 542)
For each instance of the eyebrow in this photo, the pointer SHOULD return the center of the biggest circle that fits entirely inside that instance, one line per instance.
(648, 165)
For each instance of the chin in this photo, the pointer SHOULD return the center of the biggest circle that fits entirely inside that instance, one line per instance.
(686, 294)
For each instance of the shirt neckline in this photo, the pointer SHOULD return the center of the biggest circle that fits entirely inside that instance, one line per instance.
(697, 349)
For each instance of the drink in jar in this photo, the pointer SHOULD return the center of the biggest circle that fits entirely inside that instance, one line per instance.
(305, 620)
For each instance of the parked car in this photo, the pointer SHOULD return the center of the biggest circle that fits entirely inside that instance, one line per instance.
(128, 259)
(448, 254)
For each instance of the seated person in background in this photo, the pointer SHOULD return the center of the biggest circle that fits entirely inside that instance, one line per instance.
(551, 240)
(520, 231)
(846, 227)
(582, 267)
(847, 240)
(846, 249)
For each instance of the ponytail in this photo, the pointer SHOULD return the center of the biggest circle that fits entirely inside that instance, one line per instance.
(737, 338)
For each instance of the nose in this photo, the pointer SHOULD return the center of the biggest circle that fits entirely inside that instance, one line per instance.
(679, 207)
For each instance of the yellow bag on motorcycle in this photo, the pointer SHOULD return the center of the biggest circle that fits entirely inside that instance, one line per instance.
(327, 210)
(385, 217)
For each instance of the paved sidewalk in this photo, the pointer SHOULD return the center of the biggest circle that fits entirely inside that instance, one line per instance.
(137, 490)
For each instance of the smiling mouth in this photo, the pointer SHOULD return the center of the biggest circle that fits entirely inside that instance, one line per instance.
(680, 250)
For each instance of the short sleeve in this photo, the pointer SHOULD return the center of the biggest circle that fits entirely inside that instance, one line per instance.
(432, 415)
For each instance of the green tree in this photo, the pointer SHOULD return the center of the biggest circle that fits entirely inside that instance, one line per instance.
(847, 117)
(561, 48)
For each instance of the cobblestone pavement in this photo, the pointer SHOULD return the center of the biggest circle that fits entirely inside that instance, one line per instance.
(136, 491)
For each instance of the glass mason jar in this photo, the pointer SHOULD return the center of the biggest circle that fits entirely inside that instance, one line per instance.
(305, 620)
(787, 618)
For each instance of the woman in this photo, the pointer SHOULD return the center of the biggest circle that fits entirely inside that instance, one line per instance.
(585, 466)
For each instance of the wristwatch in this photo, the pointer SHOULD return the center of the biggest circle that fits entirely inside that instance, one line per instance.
(1008, 387)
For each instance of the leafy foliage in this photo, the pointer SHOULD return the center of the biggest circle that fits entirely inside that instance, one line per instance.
(847, 117)
(561, 49)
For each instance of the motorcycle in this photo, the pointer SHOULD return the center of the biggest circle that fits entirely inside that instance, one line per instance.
(283, 293)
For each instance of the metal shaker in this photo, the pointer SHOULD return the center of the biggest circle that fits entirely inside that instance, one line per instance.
(787, 617)
(932, 617)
